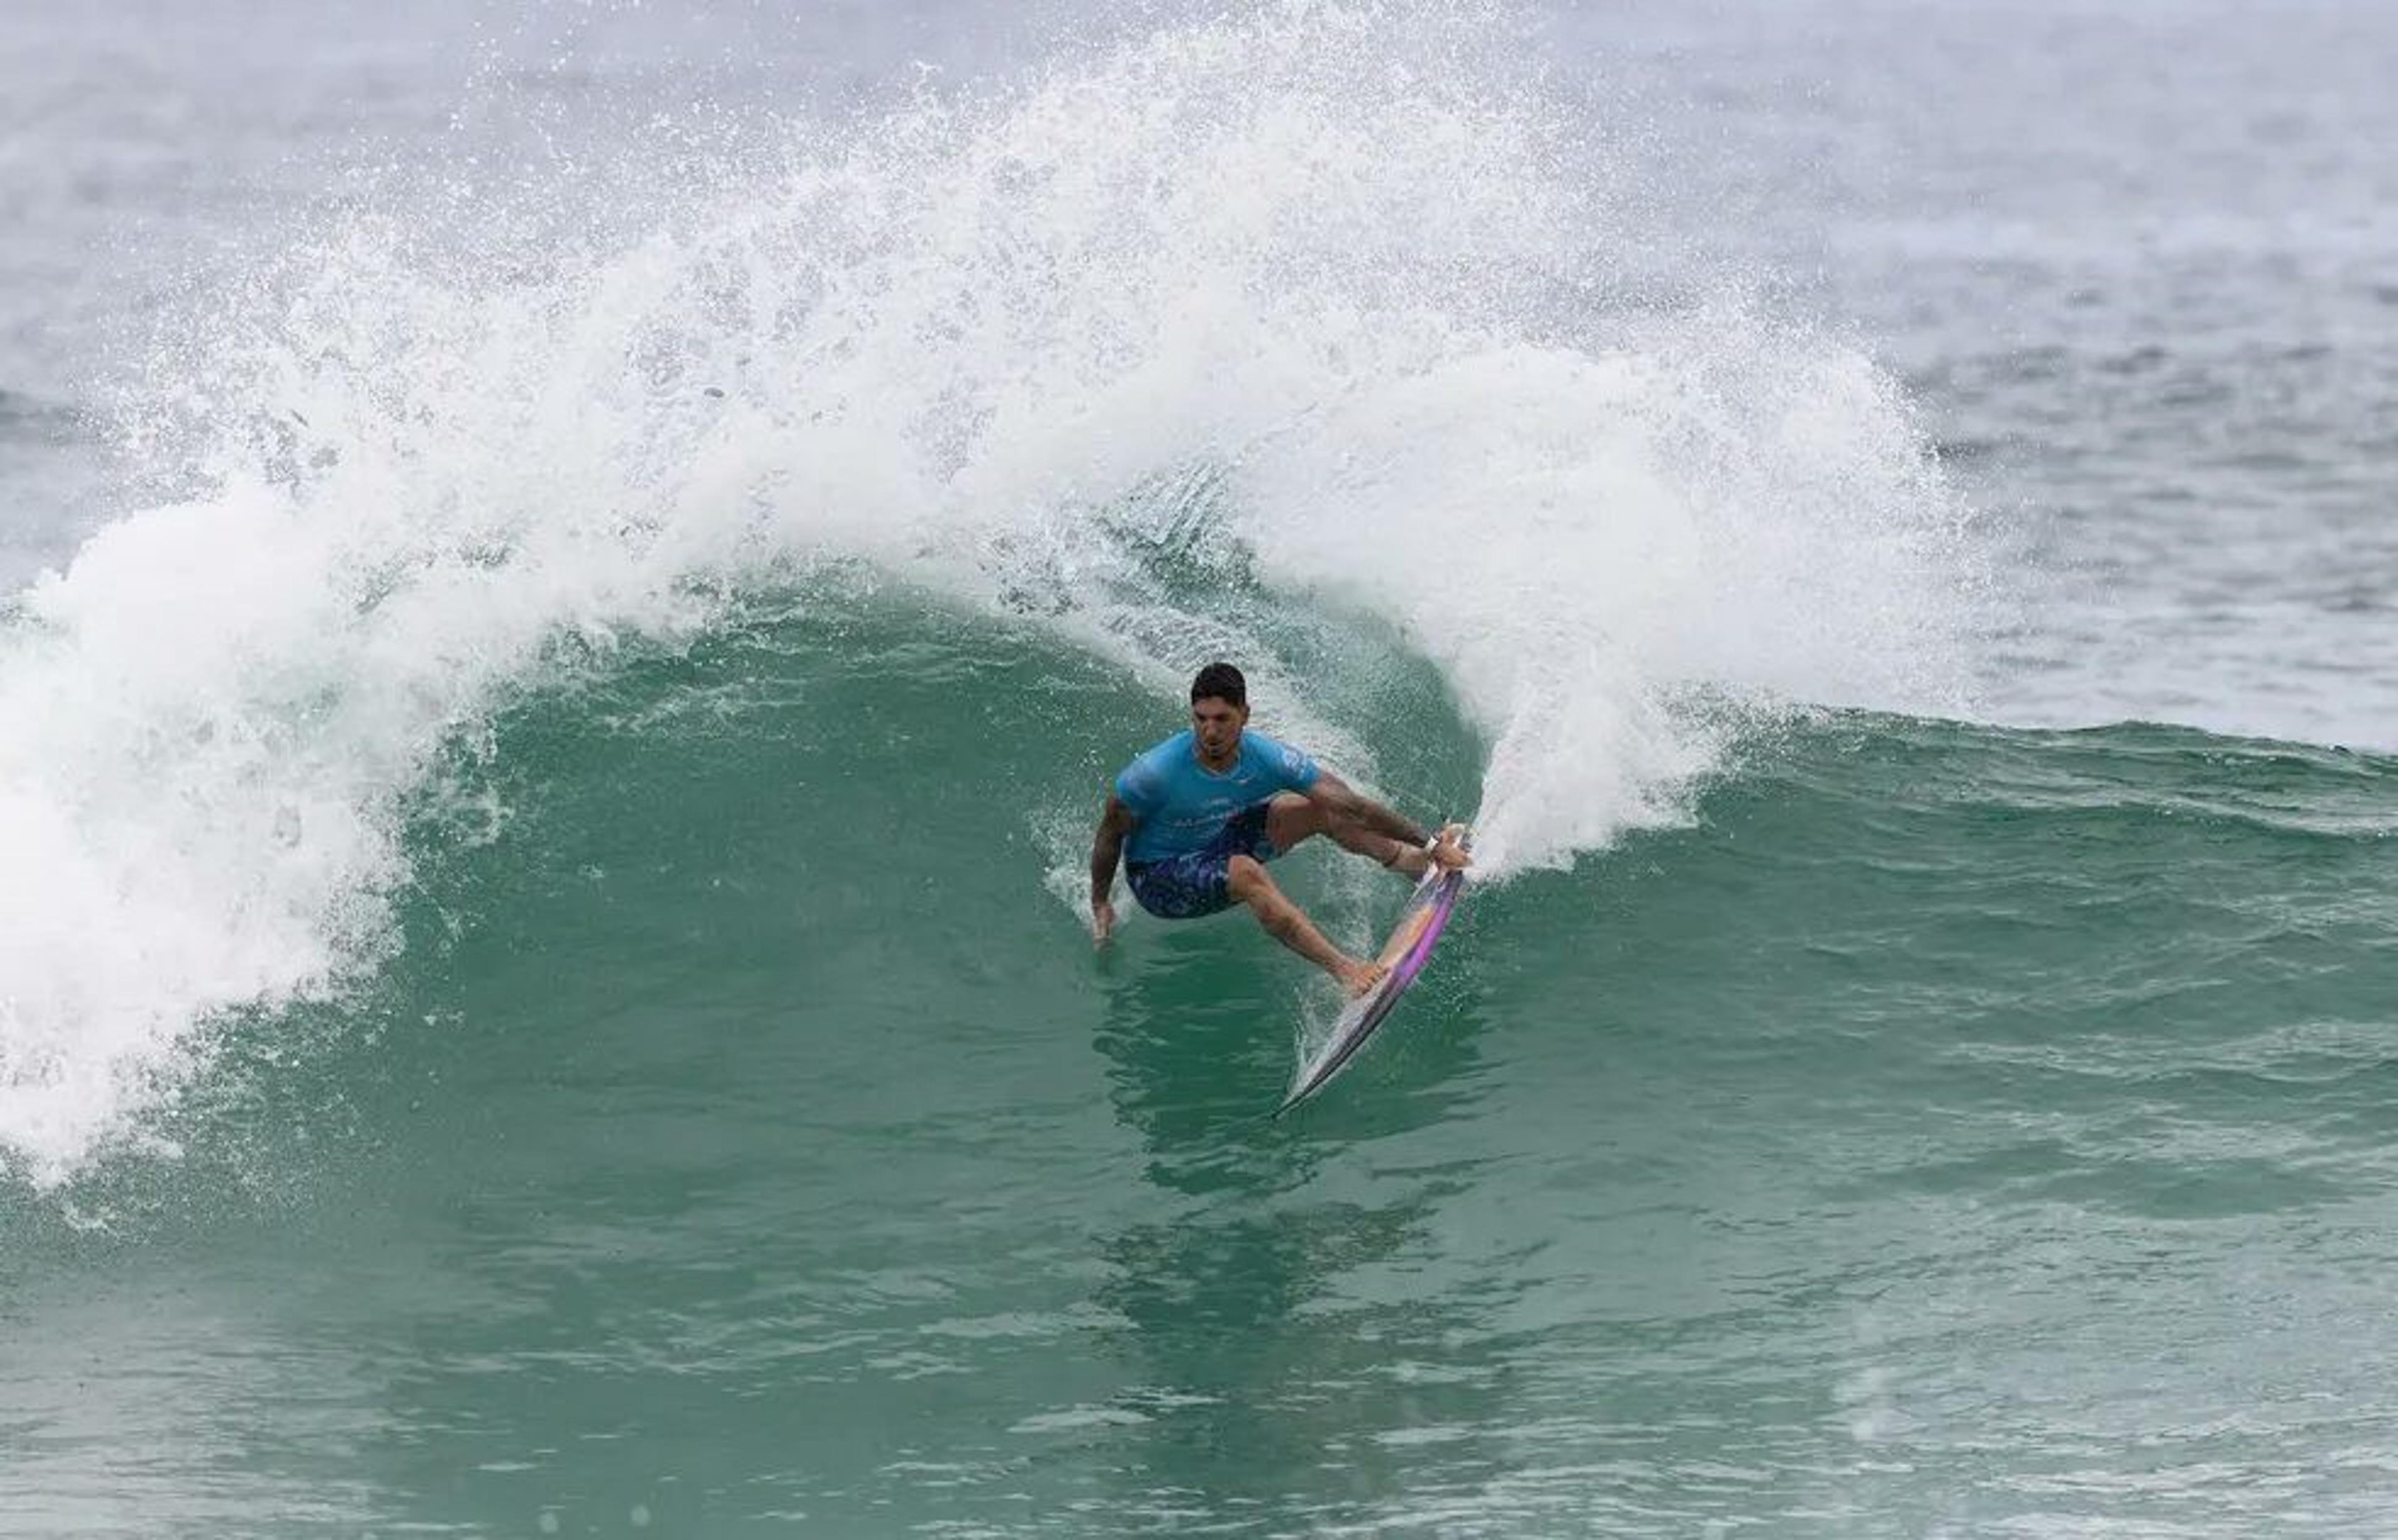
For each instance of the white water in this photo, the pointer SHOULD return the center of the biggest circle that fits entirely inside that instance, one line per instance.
(1340, 253)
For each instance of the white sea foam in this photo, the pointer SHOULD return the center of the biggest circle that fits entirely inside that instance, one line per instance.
(1344, 257)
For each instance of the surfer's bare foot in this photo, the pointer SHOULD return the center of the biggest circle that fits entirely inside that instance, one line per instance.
(1356, 979)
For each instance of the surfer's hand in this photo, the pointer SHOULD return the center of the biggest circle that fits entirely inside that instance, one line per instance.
(1446, 853)
(1103, 920)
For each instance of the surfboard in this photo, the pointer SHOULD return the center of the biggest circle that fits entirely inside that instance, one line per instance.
(1405, 954)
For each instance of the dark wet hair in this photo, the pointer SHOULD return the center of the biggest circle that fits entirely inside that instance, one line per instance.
(1223, 682)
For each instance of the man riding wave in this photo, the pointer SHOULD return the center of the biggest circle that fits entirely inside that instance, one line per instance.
(1195, 819)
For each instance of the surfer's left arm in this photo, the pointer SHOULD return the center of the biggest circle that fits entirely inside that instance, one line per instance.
(1343, 800)
(1409, 852)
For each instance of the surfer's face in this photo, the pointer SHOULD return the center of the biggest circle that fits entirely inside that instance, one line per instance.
(1217, 724)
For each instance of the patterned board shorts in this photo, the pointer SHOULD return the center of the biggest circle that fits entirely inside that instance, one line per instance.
(1183, 887)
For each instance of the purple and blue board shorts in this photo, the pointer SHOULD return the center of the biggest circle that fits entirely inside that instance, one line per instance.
(1185, 886)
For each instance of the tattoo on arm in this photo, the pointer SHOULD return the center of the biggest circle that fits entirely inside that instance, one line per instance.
(1383, 821)
(1344, 800)
(1107, 849)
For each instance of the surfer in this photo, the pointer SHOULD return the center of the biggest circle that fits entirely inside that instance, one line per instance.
(1206, 809)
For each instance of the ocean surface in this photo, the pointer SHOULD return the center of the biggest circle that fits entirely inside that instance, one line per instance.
(572, 576)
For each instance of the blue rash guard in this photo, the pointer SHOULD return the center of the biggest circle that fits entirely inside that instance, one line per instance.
(1194, 820)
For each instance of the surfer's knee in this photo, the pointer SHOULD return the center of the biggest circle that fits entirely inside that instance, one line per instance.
(1291, 818)
(1245, 877)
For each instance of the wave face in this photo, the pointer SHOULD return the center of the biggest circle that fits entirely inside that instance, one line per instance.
(1917, 1134)
(1227, 341)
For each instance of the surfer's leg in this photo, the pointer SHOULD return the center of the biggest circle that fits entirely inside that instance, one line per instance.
(1287, 923)
(1290, 819)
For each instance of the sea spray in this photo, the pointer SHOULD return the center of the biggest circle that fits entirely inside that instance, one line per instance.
(1345, 266)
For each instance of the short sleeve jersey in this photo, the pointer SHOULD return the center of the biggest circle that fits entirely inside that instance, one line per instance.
(1182, 806)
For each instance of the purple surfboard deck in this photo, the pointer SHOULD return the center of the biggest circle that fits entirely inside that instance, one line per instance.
(1435, 891)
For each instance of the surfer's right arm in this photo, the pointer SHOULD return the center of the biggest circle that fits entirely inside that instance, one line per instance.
(1107, 849)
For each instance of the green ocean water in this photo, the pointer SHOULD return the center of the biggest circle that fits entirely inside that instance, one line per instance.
(1938, 1130)
(574, 578)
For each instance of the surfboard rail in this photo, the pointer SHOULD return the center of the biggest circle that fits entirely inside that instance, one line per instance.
(1405, 954)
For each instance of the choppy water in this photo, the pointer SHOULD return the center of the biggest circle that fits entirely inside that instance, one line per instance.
(579, 574)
